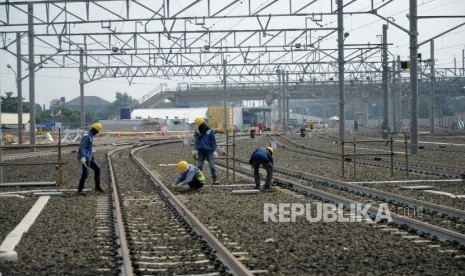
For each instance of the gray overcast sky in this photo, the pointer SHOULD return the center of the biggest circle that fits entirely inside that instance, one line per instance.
(54, 83)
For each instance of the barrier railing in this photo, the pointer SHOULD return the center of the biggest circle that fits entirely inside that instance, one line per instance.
(354, 154)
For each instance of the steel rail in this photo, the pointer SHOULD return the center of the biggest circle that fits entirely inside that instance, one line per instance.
(441, 209)
(236, 267)
(418, 167)
(119, 225)
(441, 233)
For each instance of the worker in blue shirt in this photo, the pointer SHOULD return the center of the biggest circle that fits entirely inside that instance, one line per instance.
(205, 147)
(264, 157)
(86, 157)
(191, 177)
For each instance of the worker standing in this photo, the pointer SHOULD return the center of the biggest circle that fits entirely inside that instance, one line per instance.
(260, 127)
(86, 157)
(191, 177)
(205, 147)
(264, 157)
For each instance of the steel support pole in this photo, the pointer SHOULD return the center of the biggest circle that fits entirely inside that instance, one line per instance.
(287, 101)
(385, 127)
(280, 99)
(394, 95)
(432, 107)
(283, 101)
(32, 98)
(413, 77)
(81, 87)
(1, 141)
(225, 98)
(19, 87)
(340, 42)
(399, 94)
(463, 62)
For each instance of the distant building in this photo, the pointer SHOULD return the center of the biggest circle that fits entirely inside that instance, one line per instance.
(92, 104)
(57, 102)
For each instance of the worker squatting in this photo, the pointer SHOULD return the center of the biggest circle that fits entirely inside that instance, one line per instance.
(325, 212)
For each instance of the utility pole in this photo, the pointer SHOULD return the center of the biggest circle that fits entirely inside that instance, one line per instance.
(432, 107)
(81, 87)
(19, 88)
(340, 44)
(385, 127)
(280, 99)
(399, 93)
(413, 77)
(225, 98)
(394, 95)
(287, 101)
(32, 98)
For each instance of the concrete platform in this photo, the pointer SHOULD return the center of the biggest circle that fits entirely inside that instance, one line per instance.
(245, 192)
(8, 245)
(440, 193)
(12, 184)
(419, 187)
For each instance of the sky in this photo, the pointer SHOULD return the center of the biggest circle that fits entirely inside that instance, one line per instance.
(56, 83)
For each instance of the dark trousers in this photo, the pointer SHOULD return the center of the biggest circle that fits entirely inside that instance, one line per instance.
(195, 184)
(206, 154)
(269, 172)
(85, 173)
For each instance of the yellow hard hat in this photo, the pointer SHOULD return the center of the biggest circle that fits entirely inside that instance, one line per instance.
(182, 166)
(98, 127)
(198, 121)
(270, 149)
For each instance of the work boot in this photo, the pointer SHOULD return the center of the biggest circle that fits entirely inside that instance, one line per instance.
(99, 190)
(257, 187)
(215, 180)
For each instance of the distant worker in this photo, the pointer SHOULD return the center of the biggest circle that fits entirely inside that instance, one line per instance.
(86, 157)
(205, 147)
(260, 127)
(264, 157)
(355, 125)
(191, 177)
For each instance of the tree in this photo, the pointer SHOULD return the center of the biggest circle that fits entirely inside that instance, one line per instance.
(10, 104)
(60, 113)
(122, 100)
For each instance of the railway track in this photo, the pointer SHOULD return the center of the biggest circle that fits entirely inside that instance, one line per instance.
(290, 191)
(380, 159)
(216, 232)
(313, 184)
(165, 238)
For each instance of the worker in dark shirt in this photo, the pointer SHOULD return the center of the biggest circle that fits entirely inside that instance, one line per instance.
(86, 157)
(263, 157)
(205, 147)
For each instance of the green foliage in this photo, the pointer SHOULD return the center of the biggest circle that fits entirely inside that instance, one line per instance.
(122, 100)
(10, 104)
(59, 114)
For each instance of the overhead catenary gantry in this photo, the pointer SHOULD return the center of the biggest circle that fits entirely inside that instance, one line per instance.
(160, 39)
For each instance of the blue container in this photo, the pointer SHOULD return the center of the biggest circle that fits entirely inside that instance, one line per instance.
(125, 113)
